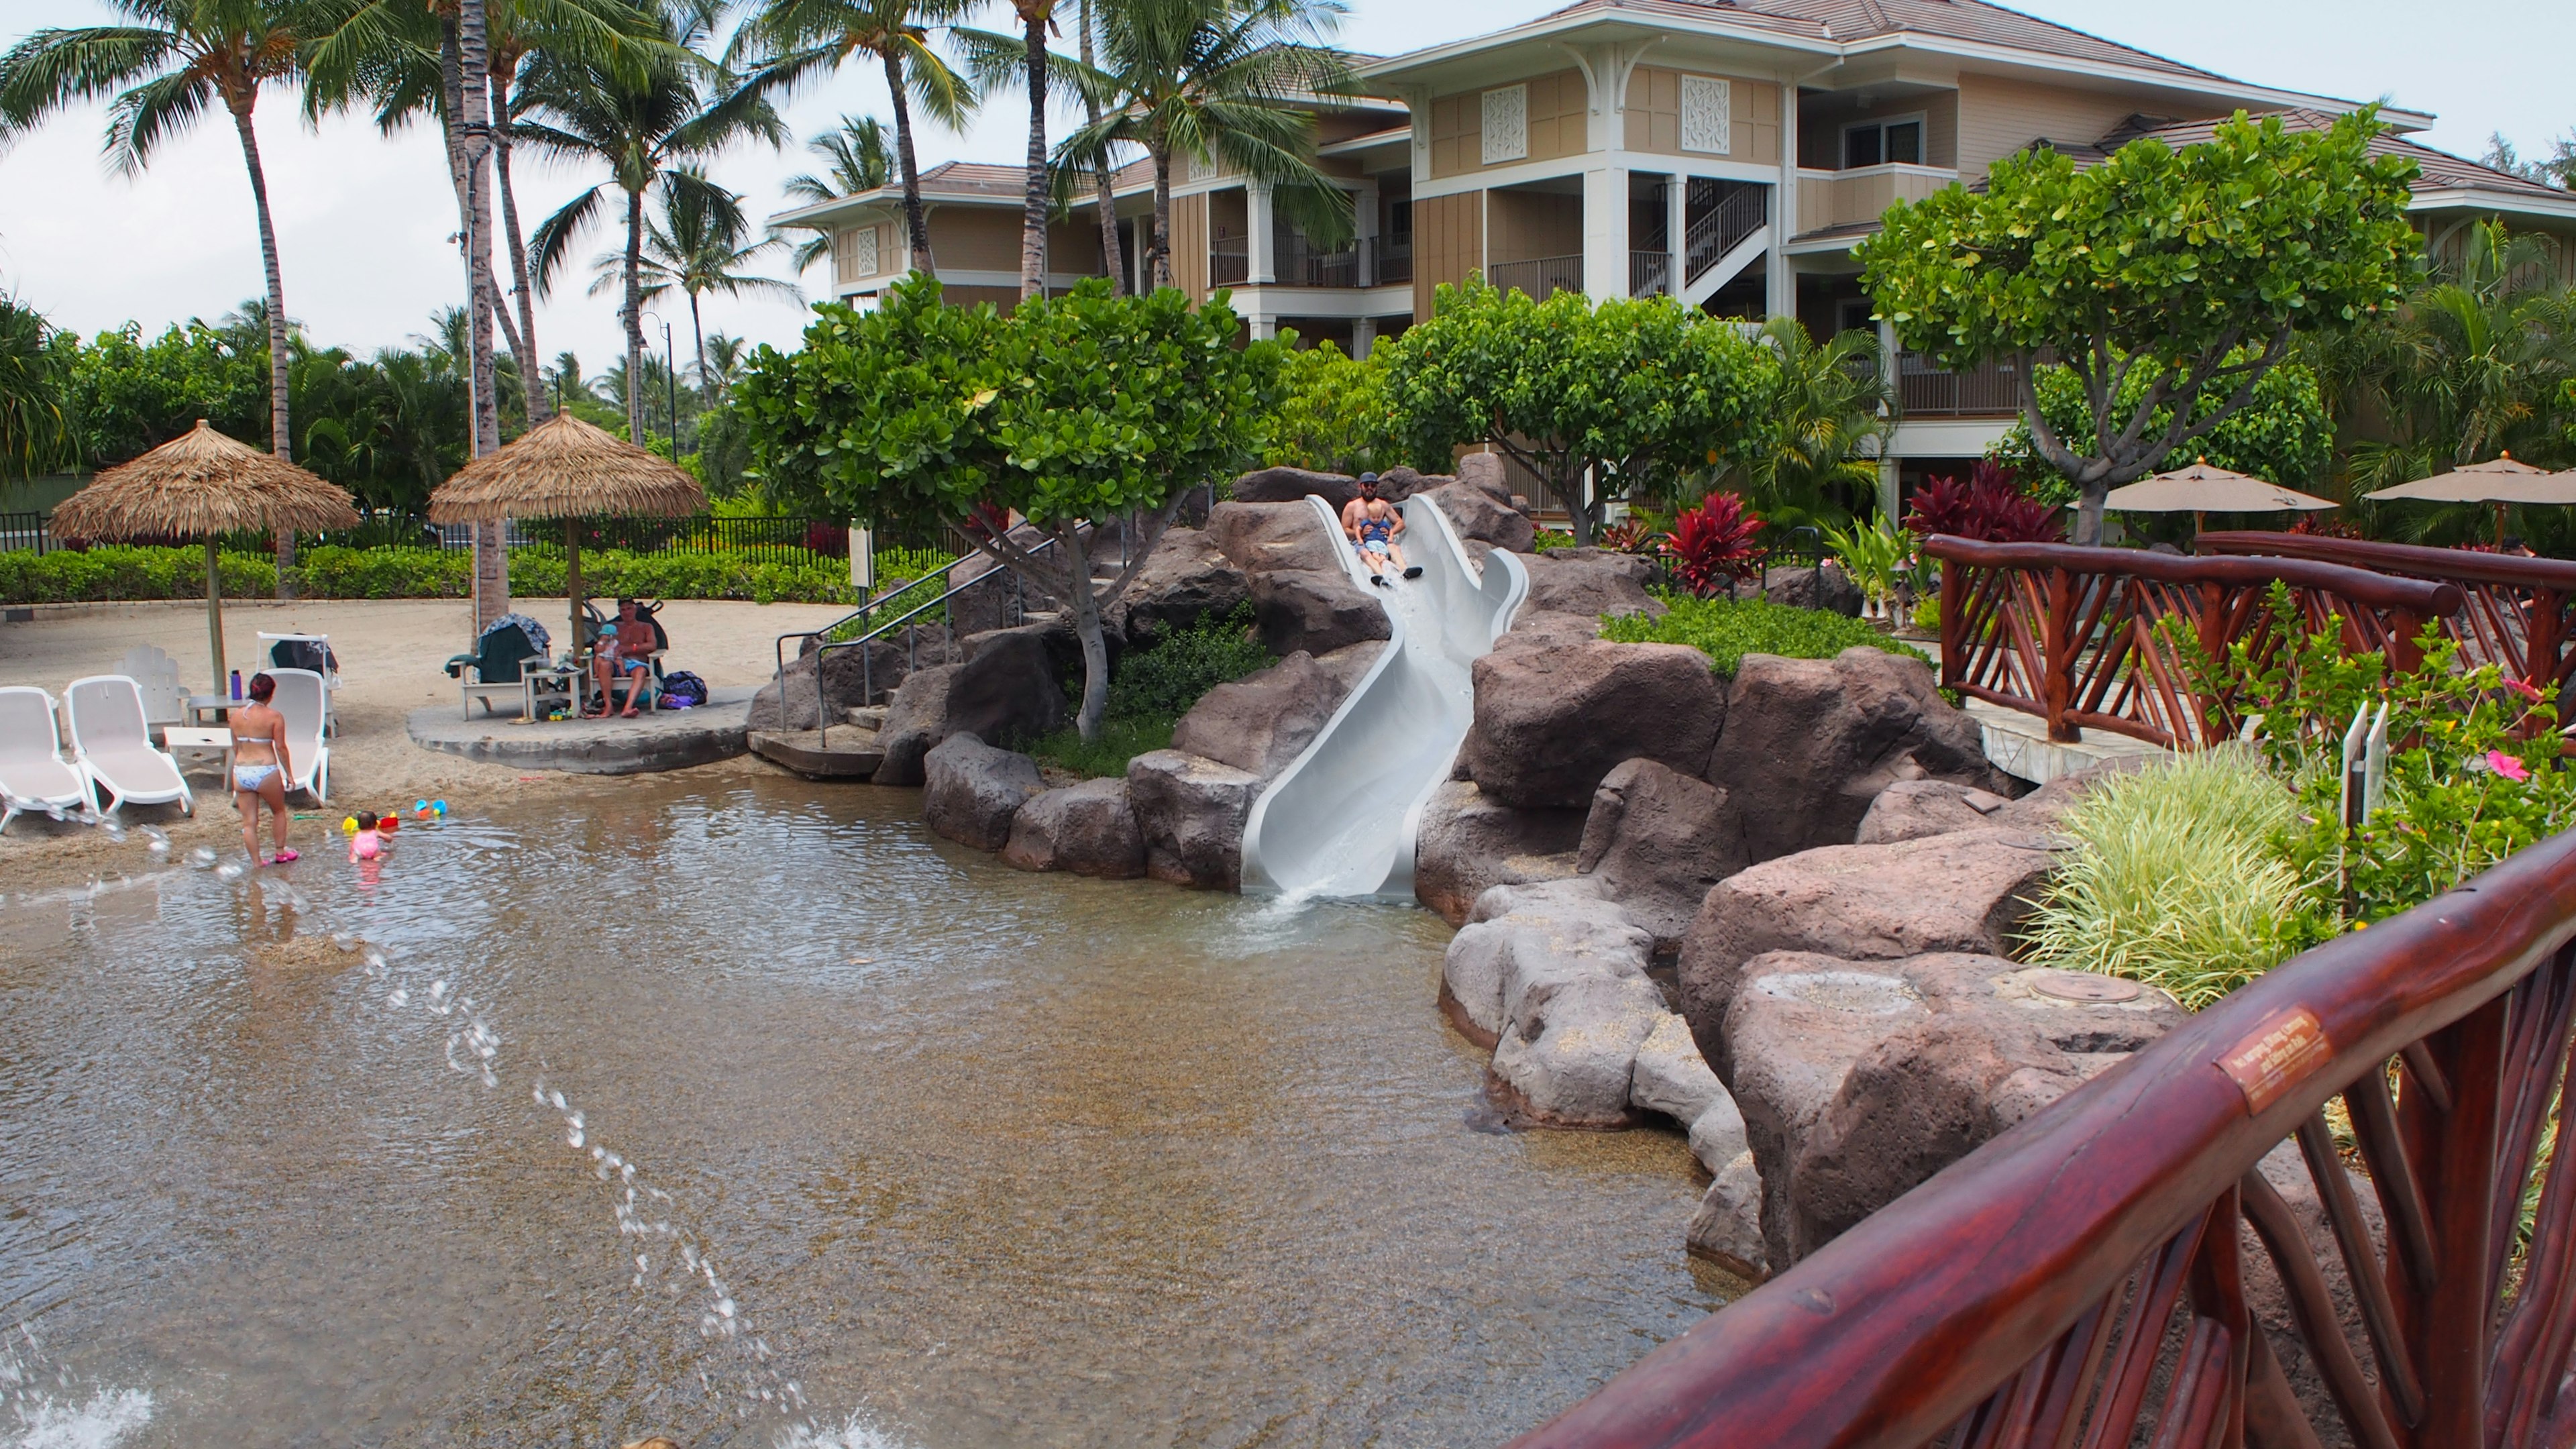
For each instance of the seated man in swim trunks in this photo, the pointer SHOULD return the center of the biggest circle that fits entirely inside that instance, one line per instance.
(1373, 525)
(625, 652)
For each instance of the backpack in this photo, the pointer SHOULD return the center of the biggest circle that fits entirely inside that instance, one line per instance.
(683, 690)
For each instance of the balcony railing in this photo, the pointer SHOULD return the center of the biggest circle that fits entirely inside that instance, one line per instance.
(1650, 273)
(1541, 277)
(1394, 261)
(1925, 389)
(1229, 261)
(1297, 262)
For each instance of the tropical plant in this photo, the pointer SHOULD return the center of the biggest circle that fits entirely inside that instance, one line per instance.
(1630, 397)
(163, 70)
(789, 43)
(696, 246)
(1333, 414)
(129, 396)
(1023, 60)
(1986, 507)
(1225, 81)
(1712, 546)
(643, 130)
(1813, 458)
(1728, 629)
(36, 432)
(1875, 554)
(2194, 269)
(857, 158)
(1085, 407)
(2283, 434)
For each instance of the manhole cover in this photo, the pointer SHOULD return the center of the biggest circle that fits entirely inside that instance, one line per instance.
(2085, 986)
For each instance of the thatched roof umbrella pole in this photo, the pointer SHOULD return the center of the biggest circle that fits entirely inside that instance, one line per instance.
(202, 484)
(565, 468)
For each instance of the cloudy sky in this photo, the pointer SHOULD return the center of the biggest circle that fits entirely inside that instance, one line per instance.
(364, 221)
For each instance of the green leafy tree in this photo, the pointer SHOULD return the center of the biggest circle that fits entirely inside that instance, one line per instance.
(857, 158)
(1818, 437)
(2284, 434)
(2192, 270)
(1334, 414)
(129, 396)
(36, 432)
(1072, 410)
(1627, 397)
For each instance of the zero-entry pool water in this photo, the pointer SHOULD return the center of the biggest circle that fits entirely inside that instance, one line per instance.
(753, 1118)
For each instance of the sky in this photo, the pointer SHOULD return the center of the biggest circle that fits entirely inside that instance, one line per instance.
(365, 222)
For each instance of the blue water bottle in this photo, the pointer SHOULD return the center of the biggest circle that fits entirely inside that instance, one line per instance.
(236, 684)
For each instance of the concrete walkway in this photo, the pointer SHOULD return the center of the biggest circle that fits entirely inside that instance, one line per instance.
(662, 740)
(2020, 747)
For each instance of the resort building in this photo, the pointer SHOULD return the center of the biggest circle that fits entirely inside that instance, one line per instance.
(1729, 154)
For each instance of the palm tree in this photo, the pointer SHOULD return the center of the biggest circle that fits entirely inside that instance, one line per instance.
(858, 159)
(789, 42)
(1821, 435)
(720, 365)
(35, 426)
(1227, 80)
(697, 246)
(177, 58)
(1103, 199)
(641, 131)
(997, 57)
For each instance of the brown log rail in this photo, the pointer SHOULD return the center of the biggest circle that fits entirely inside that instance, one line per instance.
(2515, 612)
(2074, 635)
(2083, 1279)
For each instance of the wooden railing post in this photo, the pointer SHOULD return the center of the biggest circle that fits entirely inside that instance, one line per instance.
(2058, 650)
(2454, 1147)
(1954, 631)
(2542, 621)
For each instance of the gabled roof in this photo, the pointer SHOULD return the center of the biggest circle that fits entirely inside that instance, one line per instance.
(2441, 170)
(1970, 20)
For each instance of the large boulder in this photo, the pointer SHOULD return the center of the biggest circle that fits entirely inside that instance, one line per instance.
(1658, 839)
(1087, 829)
(1191, 811)
(1569, 1053)
(1491, 965)
(1007, 689)
(1478, 516)
(1293, 485)
(1549, 630)
(1913, 809)
(1825, 587)
(1187, 578)
(1263, 721)
(1260, 537)
(1591, 585)
(999, 596)
(974, 790)
(1551, 723)
(1964, 892)
(1809, 743)
(1467, 844)
(1317, 610)
(860, 674)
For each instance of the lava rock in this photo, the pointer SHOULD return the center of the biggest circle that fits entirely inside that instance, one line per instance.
(1671, 1076)
(973, 790)
(1478, 516)
(1261, 537)
(1007, 689)
(1191, 811)
(998, 597)
(1569, 1051)
(1466, 844)
(1086, 829)
(1549, 630)
(1913, 809)
(1824, 587)
(1658, 839)
(1590, 585)
(1492, 965)
(1291, 485)
(1726, 1228)
(1809, 743)
(1315, 610)
(1551, 723)
(1496, 902)
(1717, 1134)
(787, 702)
(1187, 578)
(1265, 720)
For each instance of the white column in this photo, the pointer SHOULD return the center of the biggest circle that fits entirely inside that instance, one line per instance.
(1605, 233)
(1263, 326)
(1780, 289)
(1259, 254)
(1364, 227)
(1363, 337)
(1677, 232)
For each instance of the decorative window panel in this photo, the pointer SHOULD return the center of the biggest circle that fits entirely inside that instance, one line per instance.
(864, 261)
(1506, 128)
(1202, 168)
(1708, 115)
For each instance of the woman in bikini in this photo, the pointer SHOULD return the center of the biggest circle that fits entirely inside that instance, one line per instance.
(259, 768)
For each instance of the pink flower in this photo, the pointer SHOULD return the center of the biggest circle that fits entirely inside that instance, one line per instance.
(2507, 766)
(2523, 689)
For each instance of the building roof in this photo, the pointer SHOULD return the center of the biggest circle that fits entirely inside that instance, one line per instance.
(1848, 21)
(2441, 170)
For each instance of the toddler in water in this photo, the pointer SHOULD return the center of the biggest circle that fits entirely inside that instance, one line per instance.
(368, 843)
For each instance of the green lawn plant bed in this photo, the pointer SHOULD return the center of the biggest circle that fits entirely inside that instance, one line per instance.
(1728, 629)
(122, 572)
(1153, 686)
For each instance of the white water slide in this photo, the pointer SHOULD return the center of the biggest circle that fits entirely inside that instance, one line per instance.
(1341, 820)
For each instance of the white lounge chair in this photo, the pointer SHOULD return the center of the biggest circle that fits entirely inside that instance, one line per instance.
(165, 703)
(307, 651)
(113, 746)
(302, 698)
(33, 773)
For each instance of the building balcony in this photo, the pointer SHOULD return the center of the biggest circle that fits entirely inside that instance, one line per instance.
(1297, 262)
(1926, 390)
(1541, 277)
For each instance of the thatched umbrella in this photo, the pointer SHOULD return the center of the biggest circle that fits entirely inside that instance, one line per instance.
(565, 468)
(204, 485)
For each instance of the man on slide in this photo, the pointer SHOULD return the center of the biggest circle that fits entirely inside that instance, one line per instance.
(1373, 525)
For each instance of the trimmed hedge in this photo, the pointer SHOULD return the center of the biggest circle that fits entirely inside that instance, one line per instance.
(1728, 629)
(121, 572)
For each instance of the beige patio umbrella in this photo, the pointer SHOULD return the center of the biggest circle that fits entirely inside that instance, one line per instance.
(2202, 489)
(202, 484)
(565, 468)
(2500, 480)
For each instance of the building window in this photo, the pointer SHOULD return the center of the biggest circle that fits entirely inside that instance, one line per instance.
(1851, 314)
(1506, 131)
(1879, 143)
(1399, 225)
(1708, 115)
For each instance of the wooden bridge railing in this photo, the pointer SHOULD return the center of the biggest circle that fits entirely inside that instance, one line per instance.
(2515, 612)
(2074, 635)
(2083, 1278)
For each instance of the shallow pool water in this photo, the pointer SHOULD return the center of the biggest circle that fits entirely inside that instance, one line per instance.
(862, 1139)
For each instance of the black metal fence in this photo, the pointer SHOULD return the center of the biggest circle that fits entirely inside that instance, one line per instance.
(759, 540)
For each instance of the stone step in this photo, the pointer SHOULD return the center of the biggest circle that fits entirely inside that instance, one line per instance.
(849, 754)
(870, 717)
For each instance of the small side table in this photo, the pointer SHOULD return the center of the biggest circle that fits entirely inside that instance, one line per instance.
(546, 688)
(202, 706)
(184, 740)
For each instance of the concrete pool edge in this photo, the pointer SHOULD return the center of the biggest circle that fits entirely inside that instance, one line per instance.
(663, 740)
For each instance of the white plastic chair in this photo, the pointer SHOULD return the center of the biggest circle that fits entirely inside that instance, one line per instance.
(113, 745)
(304, 700)
(33, 773)
(305, 651)
(165, 703)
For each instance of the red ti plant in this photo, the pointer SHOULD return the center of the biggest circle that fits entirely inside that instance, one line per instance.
(1987, 508)
(1712, 546)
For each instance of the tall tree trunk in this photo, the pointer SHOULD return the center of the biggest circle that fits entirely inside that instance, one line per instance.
(1086, 629)
(706, 394)
(915, 224)
(1033, 201)
(281, 426)
(523, 339)
(633, 314)
(1160, 253)
(492, 540)
(1112, 256)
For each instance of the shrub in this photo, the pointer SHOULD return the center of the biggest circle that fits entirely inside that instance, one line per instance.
(1987, 508)
(2177, 881)
(127, 571)
(1166, 677)
(329, 571)
(1712, 546)
(1549, 541)
(1728, 629)
(332, 572)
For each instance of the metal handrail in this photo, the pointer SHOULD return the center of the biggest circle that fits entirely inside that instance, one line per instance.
(1723, 227)
(867, 687)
